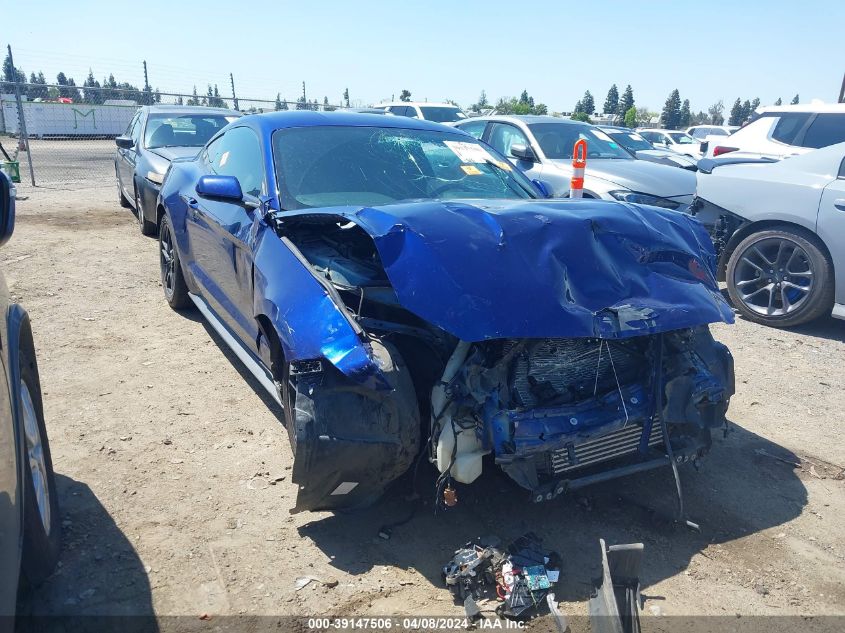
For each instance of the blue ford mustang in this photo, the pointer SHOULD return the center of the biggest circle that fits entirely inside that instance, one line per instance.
(402, 291)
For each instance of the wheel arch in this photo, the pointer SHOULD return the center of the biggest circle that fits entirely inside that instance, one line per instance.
(269, 347)
(765, 225)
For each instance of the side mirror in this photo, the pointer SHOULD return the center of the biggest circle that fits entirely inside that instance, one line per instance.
(7, 209)
(543, 187)
(220, 187)
(523, 152)
(124, 142)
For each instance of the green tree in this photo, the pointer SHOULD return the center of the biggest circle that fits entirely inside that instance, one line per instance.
(685, 116)
(736, 113)
(746, 111)
(755, 104)
(581, 116)
(193, 101)
(779, 101)
(405, 95)
(671, 116)
(541, 108)
(795, 100)
(38, 87)
(92, 89)
(481, 104)
(627, 100)
(11, 75)
(611, 103)
(579, 107)
(346, 97)
(588, 103)
(716, 113)
(179, 100)
(278, 105)
(631, 117)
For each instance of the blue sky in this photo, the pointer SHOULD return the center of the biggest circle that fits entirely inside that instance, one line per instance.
(438, 50)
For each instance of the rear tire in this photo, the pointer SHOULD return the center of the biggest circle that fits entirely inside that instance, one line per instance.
(172, 279)
(41, 524)
(780, 277)
(147, 228)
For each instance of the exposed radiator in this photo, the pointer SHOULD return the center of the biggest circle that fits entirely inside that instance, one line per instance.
(568, 369)
(616, 444)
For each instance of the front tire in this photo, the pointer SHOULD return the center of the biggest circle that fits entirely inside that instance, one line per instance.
(780, 277)
(41, 524)
(172, 279)
(147, 228)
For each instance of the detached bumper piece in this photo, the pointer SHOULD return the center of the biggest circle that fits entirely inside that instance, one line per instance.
(615, 604)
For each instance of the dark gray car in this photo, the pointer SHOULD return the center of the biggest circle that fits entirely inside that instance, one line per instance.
(29, 513)
(155, 136)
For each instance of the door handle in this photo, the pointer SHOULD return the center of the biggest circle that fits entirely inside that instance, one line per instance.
(839, 203)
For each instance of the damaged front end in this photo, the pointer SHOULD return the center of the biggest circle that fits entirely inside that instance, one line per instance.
(557, 414)
(567, 342)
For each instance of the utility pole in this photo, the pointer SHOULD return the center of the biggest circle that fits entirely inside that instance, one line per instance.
(23, 136)
(842, 90)
(146, 84)
(234, 96)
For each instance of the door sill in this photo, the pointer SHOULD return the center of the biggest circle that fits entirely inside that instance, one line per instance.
(243, 354)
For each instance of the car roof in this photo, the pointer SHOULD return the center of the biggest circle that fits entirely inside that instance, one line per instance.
(177, 109)
(614, 128)
(416, 103)
(271, 121)
(527, 119)
(804, 107)
(659, 129)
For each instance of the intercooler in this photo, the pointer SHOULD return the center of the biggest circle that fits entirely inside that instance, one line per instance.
(616, 444)
(556, 370)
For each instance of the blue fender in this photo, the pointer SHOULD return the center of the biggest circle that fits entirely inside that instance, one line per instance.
(306, 312)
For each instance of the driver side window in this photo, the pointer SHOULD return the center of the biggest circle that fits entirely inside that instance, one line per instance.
(503, 136)
(238, 153)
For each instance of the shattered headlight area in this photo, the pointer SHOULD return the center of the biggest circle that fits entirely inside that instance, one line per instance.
(558, 414)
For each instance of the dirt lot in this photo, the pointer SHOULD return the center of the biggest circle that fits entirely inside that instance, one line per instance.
(174, 468)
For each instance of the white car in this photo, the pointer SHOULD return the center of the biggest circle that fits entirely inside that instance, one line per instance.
(676, 140)
(779, 231)
(437, 112)
(541, 147)
(779, 131)
(700, 132)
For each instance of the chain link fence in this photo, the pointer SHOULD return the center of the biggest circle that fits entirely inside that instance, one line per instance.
(65, 138)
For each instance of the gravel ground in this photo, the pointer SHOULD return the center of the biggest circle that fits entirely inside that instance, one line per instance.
(174, 468)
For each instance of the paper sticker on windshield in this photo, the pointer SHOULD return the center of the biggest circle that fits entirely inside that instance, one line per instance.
(471, 170)
(502, 165)
(468, 152)
(600, 134)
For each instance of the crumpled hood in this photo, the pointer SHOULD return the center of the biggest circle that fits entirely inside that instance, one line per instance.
(545, 268)
(639, 175)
